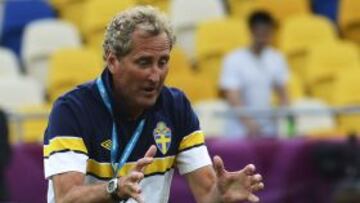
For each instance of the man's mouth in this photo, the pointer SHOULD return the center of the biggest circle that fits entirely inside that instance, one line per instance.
(150, 90)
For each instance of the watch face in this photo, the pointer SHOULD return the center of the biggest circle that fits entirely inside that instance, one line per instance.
(112, 185)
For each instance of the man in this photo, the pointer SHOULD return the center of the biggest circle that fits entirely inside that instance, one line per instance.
(250, 74)
(119, 137)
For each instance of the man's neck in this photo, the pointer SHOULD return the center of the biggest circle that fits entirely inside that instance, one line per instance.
(257, 49)
(131, 112)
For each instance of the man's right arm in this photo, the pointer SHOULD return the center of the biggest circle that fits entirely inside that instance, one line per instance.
(69, 187)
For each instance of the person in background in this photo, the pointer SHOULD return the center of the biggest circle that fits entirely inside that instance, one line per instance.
(250, 74)
(4, 155)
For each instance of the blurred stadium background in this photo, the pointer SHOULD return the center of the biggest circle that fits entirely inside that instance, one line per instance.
(47, 47)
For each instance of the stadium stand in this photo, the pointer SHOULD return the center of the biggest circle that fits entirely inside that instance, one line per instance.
(323, 124)
(17, 91)
(210, 113)
(283, 9)
(295, 88)
(70, 67)
(186, 15)
(9, 63)
(183, 76)
(349, 18)
(325, 77)
(31, 129)
(70, 10)
(346, 93)
(300, 32)
(325, 61)
(163, 5)
(328, 8)
(242, 8)
(97, 13)
(211, 46)
(41, 39)
(280, 9)
(17, 14)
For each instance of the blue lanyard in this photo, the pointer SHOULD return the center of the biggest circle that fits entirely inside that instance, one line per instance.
(117, 165)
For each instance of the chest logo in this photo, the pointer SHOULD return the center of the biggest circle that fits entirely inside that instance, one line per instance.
(162, 136)
(107, 144)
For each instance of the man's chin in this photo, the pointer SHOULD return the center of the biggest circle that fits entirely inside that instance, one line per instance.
(147, 102)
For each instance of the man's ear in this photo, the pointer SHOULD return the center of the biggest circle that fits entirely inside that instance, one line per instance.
(112, 62)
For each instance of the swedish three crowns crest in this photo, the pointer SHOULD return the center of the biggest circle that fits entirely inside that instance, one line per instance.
(162, 136)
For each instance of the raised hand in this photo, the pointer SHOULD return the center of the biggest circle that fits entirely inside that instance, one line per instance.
(129, 186)
(239, 185)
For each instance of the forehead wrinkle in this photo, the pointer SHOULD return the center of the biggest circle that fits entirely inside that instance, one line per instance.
(145, 44)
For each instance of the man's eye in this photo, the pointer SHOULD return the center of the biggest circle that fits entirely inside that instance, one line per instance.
(143, 62)
(163, 62)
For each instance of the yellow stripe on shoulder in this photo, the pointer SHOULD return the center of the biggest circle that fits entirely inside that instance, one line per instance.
(104, 170)
(62, 143)
(191, 140)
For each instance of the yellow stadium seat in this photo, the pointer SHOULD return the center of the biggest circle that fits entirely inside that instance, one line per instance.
(345, 93)
(97, 15)
(325, 61)
(163, 5)
(217, 37)
(280, 9)
(71, 67)
(300, 32)
(349, 18)
(213, 40)
(32, 126)
(295, 88)
(182, 76)
(242, 8)
(70, 10)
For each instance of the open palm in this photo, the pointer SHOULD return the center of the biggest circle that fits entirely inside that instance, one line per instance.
(238, 185)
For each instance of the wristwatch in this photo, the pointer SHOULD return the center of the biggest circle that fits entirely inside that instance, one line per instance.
(112, 188)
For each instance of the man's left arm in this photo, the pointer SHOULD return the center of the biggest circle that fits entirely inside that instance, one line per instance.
(210, 184)
(215, 184)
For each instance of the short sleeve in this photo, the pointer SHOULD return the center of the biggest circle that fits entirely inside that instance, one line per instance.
(192, 152)
(64, 147)
(281, 75)
(230, 78)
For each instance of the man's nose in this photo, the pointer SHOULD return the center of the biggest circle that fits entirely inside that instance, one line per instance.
(155, 74)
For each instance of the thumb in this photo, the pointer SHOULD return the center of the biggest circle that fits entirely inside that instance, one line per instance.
(218, 166)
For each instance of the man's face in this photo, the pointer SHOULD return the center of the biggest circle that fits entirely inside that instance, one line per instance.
(139, 76)
(262, 34)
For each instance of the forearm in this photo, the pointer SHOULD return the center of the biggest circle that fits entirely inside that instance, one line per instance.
(283, 95)
(95, 193)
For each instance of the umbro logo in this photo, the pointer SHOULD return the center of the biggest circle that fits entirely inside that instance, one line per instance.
(107, 144)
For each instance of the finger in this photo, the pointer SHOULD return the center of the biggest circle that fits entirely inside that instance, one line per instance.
(151, 152)
(142, 163)
(136, 176)
(134, 188)
(249, 169)
(137, 197)
(256, 179)
(257, 187)
(219, 166)
(253, 198)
